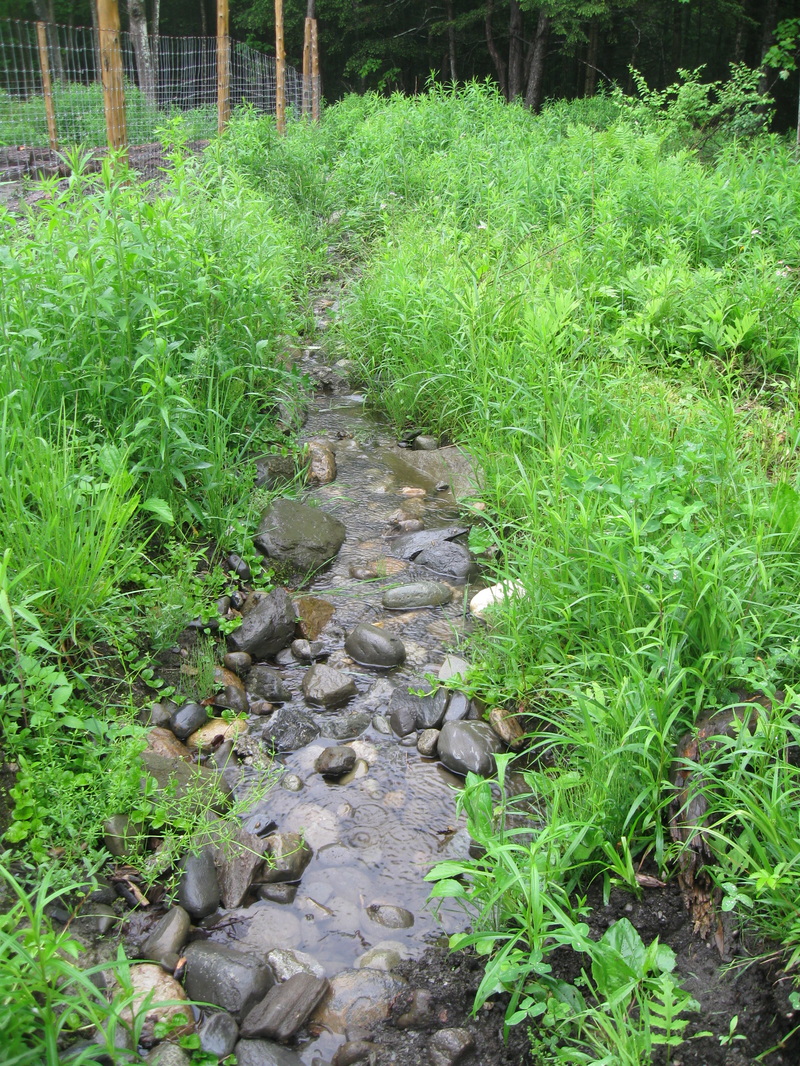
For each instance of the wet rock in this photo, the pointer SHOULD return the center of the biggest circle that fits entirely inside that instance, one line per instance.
(238, 662)
(453, 666)
(424, 443)
(286, 962)
(449, 1046)
(198, 890)
(167, 938)
(206, 788)
(120, 834)
(290, 729)
(215, 733)
(353, 1051)
(239, 863)
(160, 716)
(225, 977)
(409, 525)
(469, 747)
(507, 727)
(372, 646)
(458, 708)
(286, 1008)
(321, 463)
(313, 615)
(408, 711)
(420, 1011)
(357, 999)
(261, 707)
(427, 743)
(233, 696)
(493, 598)
(267, 684)
(271, 926)
(289, 855)
(390, 916)
(386, 956)
(335, 761)
(166, 1054)
(292, 783)
(410, 545)
(283, 892)
(218, 1034)
(432, 708)
(167, 1002)
(274, 471)
(188, 718)
(308, 650)
(380, 723)
(164, 742)
(268, 622)
(304, 536)
(236, 564)
(326, 687)
(449, 559)
(420, 594)
(264, 1053)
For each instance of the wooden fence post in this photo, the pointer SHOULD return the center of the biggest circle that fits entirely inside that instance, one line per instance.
(47, 85)
(280, 70)
(315, 83)
(111, 73)
(307, 67)
(223, 66)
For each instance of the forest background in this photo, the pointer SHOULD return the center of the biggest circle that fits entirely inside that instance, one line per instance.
(533, 50)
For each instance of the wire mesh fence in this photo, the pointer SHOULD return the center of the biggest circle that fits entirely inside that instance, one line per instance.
(162, 77)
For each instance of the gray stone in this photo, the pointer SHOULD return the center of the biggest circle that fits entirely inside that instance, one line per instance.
(238, 566)
(119, 834)
(188, 718)
(207, 789)
(427, 743)
(218, 1034)
(267, 684)
(420, 1012)
(335, 761)
(458, 708)
(264, 1053)
(239, 863)
(326, 687)
(357, 999)
(353, 1051)
(286, 1008)
(371, 646)
(449, 1046)
(304, 536)
(322, 463)
(410, 545)
(268, 622)
(424, 443)
(225, 977)
(167, 938)
(160, 715)
(198, 891)
(166, 1054)
(451, 560)
(408, 711)
(238, 662)
(386, 956)
(292, 783)
(282, 892)
(274, 471)
(380, 724)
(288, 857)
(431, 711)
(421, 594)
(453, 666)
(390, 916)
(290, 729)
(469, 747)
(344, 726)
(286, 962)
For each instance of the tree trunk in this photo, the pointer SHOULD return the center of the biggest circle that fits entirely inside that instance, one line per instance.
(741, 32)
(516, 69)
(203, 18)
(499, 65)
(137, 23)
(155, 47)
(45, 12)
(592, 51)
(768, 25)
(451, 41)
(535, 79)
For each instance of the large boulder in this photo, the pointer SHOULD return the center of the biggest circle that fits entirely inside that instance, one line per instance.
(469, 747)
(228, 978)
(268, 621)
(372, 646)
(305, 537)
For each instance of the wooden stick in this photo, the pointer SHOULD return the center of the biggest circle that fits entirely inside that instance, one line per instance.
(315, 83)
(280, 70)
(223, 66)
(307, 66)
(111, 73)
(47, 85)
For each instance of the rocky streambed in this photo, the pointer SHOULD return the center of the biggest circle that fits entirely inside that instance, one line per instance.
(295, 928)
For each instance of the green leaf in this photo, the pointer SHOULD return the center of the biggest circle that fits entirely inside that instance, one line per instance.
(160, 508)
